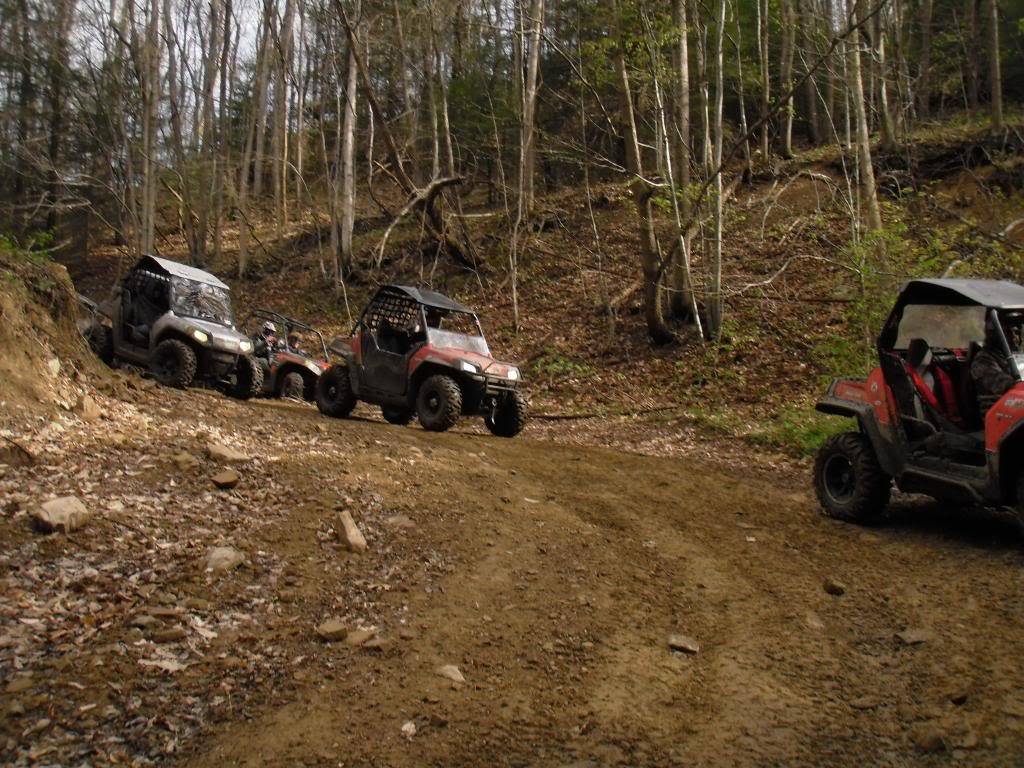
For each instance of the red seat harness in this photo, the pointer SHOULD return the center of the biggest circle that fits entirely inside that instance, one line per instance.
(947, 407)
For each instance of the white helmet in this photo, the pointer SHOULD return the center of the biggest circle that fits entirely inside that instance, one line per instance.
(268, 329)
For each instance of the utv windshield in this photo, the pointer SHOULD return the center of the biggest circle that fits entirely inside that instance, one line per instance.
(942, 326)
(201, 300)
(456, 330)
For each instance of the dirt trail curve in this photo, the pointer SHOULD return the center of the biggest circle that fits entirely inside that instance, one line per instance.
(551, 576)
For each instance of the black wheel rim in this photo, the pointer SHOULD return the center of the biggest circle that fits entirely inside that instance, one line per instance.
(840, 478)
(164, 366)
(433, 402)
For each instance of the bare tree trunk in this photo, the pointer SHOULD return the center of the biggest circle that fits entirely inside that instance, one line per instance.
(805, 11)
(924, 70)
(682, 294)
(715, 303)
(348, 165)
(263, 95)
(973, 53)
(763, 61)
(528, 147)
(58, 74)
(888, 127)
(279, 140)
(995, 75)
(864, 167)
(642, 192)
(150, 129)
(786, 71)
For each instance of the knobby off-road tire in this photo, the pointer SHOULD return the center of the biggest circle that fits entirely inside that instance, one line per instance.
(293, 386)
(439, 403)
(509, 418)
(1020, 501)
(101, 342)
(850, 484)
(334, 395)
(399, 416)
(174, 364)
(248, 378)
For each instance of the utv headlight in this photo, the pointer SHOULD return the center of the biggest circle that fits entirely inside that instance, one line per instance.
(468, 367)
(313, 367)
(245, 346)
(199, 336)
(513, 374)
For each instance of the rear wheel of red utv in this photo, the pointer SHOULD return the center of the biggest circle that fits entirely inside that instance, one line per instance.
(399, 416)
(173, 363)
(850, 484)
(334, 395)
(439, 403)
(508, 417)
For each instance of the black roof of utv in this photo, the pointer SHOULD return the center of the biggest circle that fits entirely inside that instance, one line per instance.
(427, 298)
(998, 294)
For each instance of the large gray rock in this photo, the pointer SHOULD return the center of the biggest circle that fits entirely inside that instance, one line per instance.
(222, 453)
(226, 479)
(65, 514)
(332, 629)
(683, 644)
(15, 455)
(452, 673)
(224, 559)
(86, 408)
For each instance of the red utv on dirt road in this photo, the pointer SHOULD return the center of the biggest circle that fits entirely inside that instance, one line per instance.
(289, 370)
(417, 352)
(963, 453)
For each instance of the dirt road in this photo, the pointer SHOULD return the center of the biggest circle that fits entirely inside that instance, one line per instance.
(551, 576)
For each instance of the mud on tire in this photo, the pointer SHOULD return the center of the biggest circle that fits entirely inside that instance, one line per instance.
(334, 395)
(850, 484)
(439, 403)
(509, 417)
(174, 363)
(248, 378)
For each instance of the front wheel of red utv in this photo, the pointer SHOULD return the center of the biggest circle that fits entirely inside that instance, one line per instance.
(508, 417)
(334, 396)
(850, 483)
(439, 403)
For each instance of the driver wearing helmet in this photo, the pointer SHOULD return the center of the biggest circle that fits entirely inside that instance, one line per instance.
(991, 371)
(266, 340)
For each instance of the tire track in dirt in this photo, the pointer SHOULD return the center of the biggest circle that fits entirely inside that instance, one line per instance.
(569, 569)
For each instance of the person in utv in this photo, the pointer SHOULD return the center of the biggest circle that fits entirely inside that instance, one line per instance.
(991, 370)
